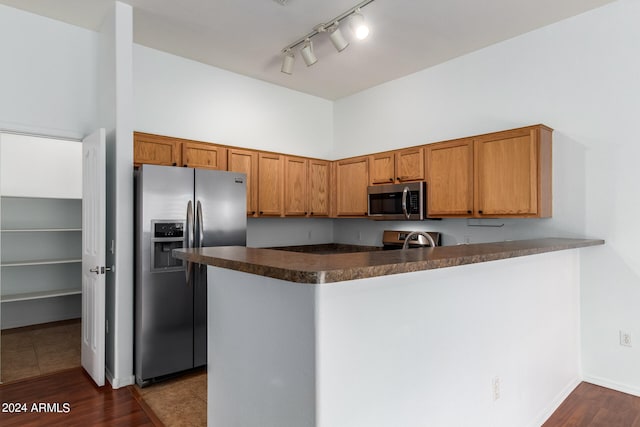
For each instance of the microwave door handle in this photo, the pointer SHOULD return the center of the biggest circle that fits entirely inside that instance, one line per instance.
(405, 192)
(188, 240)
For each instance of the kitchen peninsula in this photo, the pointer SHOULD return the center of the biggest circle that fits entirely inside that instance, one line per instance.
(383, 338)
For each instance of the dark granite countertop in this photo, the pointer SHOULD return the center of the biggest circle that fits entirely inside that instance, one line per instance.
(302, 267)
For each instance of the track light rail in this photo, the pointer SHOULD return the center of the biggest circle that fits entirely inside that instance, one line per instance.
(323, 27)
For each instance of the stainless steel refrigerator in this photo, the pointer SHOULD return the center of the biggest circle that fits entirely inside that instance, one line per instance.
(179, 207)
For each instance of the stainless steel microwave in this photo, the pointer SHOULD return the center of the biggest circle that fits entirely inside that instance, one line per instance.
(406, 201)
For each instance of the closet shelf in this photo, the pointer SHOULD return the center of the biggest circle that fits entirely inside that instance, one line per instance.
(39, 230)
(39, 295)
(40, 262)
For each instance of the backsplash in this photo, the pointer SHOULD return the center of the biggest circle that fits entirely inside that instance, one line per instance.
(263, 232)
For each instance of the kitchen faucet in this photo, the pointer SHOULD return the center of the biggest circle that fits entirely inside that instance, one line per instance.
(421, 233)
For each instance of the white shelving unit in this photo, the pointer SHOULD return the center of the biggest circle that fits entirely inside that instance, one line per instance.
(40, 263)
(40, 230)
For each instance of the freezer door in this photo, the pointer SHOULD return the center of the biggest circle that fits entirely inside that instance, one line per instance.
(163, 301)
(221, 220)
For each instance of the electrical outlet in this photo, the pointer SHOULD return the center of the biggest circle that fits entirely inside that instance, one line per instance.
(625, 339)
(495, 388)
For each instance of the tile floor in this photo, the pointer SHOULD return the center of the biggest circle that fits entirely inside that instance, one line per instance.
(35, 350)
(181, 401)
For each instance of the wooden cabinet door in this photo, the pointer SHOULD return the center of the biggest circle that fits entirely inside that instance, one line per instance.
(506, 174)
(318, 187)
(155, 150)
(204, 155)
(247, 162)
(410, 164)
(270, 185)
(382, 168)
(352, 179)
(450, 179)
(295, 186)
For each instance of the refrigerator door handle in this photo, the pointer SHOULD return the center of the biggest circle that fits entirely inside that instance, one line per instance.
(188, 240)
(200, 224)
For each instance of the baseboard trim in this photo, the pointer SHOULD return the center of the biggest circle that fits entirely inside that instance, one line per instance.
(555, 403)
(613, 385)
(119, 382)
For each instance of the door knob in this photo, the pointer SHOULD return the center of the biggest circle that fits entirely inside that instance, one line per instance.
(95, 270)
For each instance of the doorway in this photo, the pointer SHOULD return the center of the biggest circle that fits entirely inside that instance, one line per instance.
(40, 255)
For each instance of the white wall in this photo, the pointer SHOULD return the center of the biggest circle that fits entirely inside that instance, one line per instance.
(40, 167)
(178, 97)
(579, 76)
(48, 76)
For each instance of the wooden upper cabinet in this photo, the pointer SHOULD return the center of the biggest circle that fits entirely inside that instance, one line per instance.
(306, 187)
(410, 164)
(382, 168)
(513, 173)
(270, 184)
(352, 179)
(397, 166)
(295, 188)
(246, 161)
(498, 175)
(204, 155)
(450, 179)
(318, 182)
(155, 150)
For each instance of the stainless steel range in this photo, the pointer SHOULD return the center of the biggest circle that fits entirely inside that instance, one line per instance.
(394, 239)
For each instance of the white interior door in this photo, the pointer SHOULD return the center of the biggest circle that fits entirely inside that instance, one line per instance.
(93, 254)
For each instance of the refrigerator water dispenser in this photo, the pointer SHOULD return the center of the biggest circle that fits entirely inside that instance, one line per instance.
(167, 235)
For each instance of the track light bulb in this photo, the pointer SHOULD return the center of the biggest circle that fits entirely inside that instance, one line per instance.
(307, 53)
(358, 25)
(288, 61)
(336, 37)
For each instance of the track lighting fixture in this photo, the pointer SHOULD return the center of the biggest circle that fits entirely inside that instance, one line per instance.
(288, 61)
(307, 53)
(358, 25)
(335, 35)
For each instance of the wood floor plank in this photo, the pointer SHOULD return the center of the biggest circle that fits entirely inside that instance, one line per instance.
(73, 400)
(590, 405)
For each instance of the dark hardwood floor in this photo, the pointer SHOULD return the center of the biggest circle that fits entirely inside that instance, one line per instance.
(74, 400)
(70, 398)
(593, 406)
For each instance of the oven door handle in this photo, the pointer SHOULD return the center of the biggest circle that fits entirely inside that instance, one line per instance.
(405, 192)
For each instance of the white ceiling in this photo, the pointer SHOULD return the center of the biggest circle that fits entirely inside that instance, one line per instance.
(247, 36)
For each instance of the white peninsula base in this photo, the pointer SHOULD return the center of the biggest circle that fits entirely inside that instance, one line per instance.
(487, 344)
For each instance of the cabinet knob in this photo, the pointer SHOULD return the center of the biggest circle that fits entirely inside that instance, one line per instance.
(261, 212)
(184, 166)
(311, 213)
(469, 212)
(175, 164)
(398, 178)
(390, 179)
(480, 212)
(253, 212)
